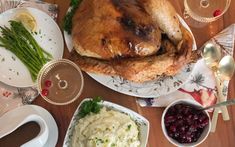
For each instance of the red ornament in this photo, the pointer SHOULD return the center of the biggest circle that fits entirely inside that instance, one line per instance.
(48, 83)
(45, 92)
(217, 13)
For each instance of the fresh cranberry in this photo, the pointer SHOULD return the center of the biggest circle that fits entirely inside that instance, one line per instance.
(177, 134)
(182, 129)
(193, 128)
(45, 92)
(169, 119)
(179, 116)
(173, 128)
(217, 13)
(188, 138)
(195, 117)
(48, 83)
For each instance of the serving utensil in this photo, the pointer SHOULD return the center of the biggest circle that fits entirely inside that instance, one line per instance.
(225, 103)
(212, 55)
(225, 71)
(226, 68)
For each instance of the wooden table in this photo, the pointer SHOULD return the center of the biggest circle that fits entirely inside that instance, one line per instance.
(224, 135)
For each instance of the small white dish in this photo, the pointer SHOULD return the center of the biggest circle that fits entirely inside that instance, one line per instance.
(15, 118)
(142, 122)
(203, 136)
(49, 37)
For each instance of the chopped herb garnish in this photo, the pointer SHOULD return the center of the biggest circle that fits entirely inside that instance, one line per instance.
(20, 41)
(3, 59)
(13, 58)
(113, 145)
(90, 106)
(128, 128)
(99, 141)
(67, 22)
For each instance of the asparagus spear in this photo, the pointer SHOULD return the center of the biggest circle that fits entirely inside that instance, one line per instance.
(19, 41)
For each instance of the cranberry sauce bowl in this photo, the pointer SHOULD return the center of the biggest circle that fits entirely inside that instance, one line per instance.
(184, 124)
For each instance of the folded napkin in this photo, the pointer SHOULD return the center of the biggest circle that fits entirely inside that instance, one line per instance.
(201, 84)
(50, 9)
(12, 97)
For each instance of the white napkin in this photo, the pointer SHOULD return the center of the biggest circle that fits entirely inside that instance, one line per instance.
(201, 85)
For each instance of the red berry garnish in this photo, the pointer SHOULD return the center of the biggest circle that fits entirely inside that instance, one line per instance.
(217, 13)
(48, 83)
(45, 92)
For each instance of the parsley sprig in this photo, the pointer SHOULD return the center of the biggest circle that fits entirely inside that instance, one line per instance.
(90, 106)
(67, 22)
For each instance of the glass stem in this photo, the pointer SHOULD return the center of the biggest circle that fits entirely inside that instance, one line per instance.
(204, 3)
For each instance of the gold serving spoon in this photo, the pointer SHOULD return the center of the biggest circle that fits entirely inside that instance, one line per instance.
(212, 56)
(223, 70)
(226, 68)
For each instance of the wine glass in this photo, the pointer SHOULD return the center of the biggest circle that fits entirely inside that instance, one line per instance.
(205, 11)
(60, 82)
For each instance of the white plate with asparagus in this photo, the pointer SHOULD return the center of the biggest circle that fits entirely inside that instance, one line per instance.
(28, 39)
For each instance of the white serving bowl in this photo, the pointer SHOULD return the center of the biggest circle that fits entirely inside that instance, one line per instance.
(142, 122)
(204, 134)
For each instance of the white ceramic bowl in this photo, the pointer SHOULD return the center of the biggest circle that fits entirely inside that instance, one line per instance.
(142, 122)
(204, 134)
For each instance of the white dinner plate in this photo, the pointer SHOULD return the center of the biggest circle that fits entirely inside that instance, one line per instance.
(143, 123)
(151, 89)
(13, 71)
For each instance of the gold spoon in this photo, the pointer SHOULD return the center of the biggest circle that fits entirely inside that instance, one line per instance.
(225, 72)
(212, 55)
(226, 68)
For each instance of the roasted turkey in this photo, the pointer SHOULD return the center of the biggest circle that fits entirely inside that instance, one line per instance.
(139, 40)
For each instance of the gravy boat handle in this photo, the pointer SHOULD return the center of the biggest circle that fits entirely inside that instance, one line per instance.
(15, 118)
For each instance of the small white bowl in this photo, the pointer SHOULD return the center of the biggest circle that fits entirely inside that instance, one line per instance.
(142, 122)
(204, 134)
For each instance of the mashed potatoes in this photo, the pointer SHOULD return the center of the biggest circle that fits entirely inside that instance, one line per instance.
(108, 128)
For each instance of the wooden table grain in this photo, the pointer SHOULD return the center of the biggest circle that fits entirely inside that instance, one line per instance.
(225, 132)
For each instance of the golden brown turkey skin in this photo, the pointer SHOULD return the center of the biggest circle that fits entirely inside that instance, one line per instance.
(122, 38)
(142, 69)
(164, 15)
(108, 29)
